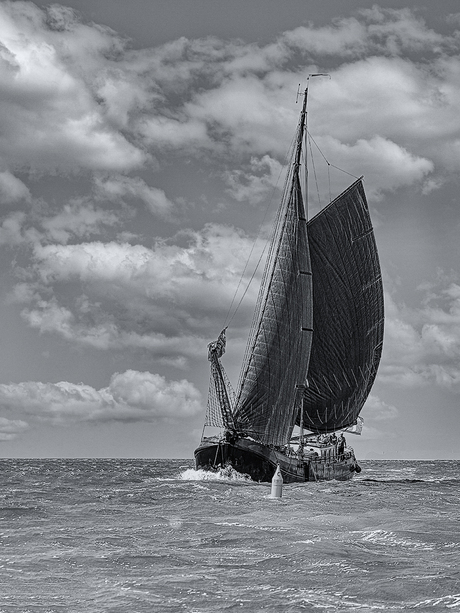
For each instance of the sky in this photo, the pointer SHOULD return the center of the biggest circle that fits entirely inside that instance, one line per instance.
(142, 148)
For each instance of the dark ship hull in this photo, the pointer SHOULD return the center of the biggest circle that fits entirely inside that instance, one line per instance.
(260, 461)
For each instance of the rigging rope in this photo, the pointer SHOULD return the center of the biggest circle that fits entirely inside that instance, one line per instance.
(249, 283)
(227, 321)
(314, 168)
(327, 161)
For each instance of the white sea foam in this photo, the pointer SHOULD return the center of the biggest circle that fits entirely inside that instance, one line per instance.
(451, 601)
(221, 474)
(383, 537)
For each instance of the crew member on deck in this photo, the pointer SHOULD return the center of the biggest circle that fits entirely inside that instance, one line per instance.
(341, 444)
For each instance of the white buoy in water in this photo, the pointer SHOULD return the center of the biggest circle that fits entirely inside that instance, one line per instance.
(277, 484)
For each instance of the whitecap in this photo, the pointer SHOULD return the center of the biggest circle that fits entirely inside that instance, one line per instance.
(228, 473)
(450, 601)
(384, 537)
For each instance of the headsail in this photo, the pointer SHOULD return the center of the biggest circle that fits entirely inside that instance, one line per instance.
(348, 312)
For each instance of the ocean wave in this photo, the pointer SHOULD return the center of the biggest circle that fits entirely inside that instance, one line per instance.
(450, 601)
(387, 538)
(395, 480)
(11, 511)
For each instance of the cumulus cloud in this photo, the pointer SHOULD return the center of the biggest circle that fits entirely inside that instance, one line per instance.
(376, 31)
(397, 30)
(78, 98)
(255, 183)
(12, 189)
(247, 113)
(130, 295)
(344, 37)
(172, 132)
(422, 346)
(11, 229)
(51, 117)
(131, 396)
(386, 116)
(120, 187)
(74, 220)
(11, 428)
(384, 164)
(377, 410)
(376, 414)
(77, 219)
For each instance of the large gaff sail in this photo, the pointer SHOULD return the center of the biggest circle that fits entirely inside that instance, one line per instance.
(276, 359)
(348, 312)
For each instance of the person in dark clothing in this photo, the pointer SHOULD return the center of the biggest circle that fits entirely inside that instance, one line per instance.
(341, 445)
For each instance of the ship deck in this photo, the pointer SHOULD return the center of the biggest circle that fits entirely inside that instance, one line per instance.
(260, 461)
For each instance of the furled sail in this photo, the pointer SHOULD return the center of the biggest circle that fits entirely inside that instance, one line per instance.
(221, 399)
(347, 312)
(278, 350)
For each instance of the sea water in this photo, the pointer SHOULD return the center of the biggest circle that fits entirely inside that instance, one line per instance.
(131, 536)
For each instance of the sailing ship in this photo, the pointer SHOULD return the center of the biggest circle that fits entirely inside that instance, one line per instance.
(314, 346)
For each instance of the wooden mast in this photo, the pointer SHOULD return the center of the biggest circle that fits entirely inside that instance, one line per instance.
(304, 130)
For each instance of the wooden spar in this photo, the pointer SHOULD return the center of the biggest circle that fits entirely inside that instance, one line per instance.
(304, 120)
